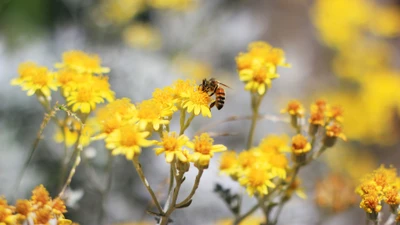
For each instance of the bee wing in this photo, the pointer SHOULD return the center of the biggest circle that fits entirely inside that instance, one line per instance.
(224, 85)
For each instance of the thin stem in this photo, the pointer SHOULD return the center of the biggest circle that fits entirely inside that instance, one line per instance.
(182, 121)
(248, 213)
(195, 186)
(255, 103)
(139, 170)
(106, 190)
(71, 173)
(188, 122)
(35, 144)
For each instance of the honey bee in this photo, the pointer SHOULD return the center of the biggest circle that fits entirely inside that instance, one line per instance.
(212, 86)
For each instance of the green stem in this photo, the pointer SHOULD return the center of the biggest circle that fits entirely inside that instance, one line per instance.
(195, 186)
(244, 216)
(139, 170)
(255, 103)
(182, 121)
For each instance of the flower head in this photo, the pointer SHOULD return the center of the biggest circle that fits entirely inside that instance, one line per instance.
(294, 108)
(151, 113)
(229, 163)
(197, 102)
(258, 78)
(172, 146)
(35, 79)
(300, 145)
(127, 140)
(335, 113)
(40, 195)
(82, 62)
(165, 97)
(204, 149)
(257, 180)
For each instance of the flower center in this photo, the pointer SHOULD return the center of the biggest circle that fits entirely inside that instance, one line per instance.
(203, 144)
(84, 95)
(260, 75)
(257, 177)
(129, 137)
(170, 144)
(200, 98)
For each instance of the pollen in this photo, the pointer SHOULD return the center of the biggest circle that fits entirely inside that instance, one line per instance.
(23, 207)
(40, 195)
(203, 144)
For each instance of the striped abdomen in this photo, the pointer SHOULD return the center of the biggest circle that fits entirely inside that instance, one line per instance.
(219, 98)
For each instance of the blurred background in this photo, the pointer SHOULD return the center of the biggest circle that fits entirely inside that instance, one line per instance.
(347, 52)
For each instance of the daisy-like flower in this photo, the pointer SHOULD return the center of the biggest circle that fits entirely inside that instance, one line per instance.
(183, 88)
(333, 132)
(278, 163)
(23, 207)
(165, 97)
(115, 115)
(35, 79)
(258, 78)
(128, 140)
(151, 113)
(204, 149)
(300, 145)
(40, 196)
(198, 102)
(335, 113)
(294, 108)
(82, 62)
(229, 163)
(172, 146)
(257, 180)
(84, 99)
(102, 86)
(275, 142)
(68, 80)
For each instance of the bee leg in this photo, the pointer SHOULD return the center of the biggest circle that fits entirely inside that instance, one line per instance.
(212, 94)
(212, 104)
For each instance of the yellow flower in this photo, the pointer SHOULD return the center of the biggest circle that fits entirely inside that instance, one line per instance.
(127, 140)
(180, 5)
(151, 113)
(246, 159)
(172, 146)
(317, 118)
(141, 35)
(263, 52)
(333, 132)
(300, 145)
(43, 215)
(119, 12)
(198, 102)
(102, 86)
(165, 97)
(23, 207)
(335, 113)
(40, 195)
(114, 115)
(294, 108)
(82, 62)
(69, 80)
(192, 68)
(277, 143)
(257, 180)
(84, 99)
(183, 88)
(204, 149)
(229, 163)
(258, 78)
(35, 79)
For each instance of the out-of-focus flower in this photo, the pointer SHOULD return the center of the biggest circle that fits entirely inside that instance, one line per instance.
(335, 192)
(35, 79)
(82, 62)
(229, 163)
(191, 68)
(385, 21)
(165, 97)
(333, 132)
(141, 35)
(247, 221)
(172, 146)
(294, 108)
(118, 11)
(204, 149)
(41, 209)
(258, 78)
(128, 140)
(257, 180)
(180, 5)
(257, 67)
(300, 145)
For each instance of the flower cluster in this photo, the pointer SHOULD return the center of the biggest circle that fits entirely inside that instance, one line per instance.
(257, 167)
(382, 185)
(40, 209)
(323, 116)
(258, 67)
